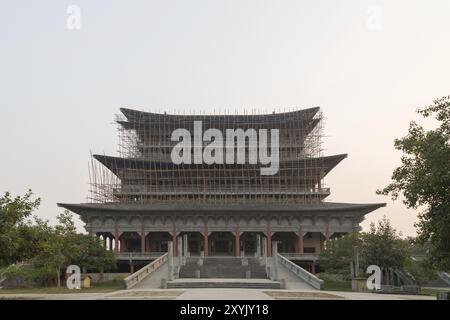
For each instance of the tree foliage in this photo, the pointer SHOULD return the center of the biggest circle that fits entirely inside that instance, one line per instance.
(381, 245)
(424, 179)
(338, 255)
(384, 247)
(13, 215)
(48, 249)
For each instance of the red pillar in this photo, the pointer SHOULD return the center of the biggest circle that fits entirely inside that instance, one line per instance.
(269, 241)
(142, 238)
(174, 240)
(300, 240)
(116, 237)
(313, 268)
(237, 242)
(205, 241)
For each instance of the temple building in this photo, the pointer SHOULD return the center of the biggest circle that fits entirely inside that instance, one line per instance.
(140, 200)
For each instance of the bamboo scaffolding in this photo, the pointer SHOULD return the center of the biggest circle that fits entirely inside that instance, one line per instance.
(143, 172)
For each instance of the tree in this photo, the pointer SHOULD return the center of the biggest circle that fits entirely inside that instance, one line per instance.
(338, 255)
(52, 254)
(50, 249)
(92, 255)
(382, 246)
(63, 246)
(424, 180)
(419, 265)
(13, 212)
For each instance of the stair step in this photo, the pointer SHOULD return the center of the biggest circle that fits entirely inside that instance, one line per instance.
(223, 268)
(216, 283)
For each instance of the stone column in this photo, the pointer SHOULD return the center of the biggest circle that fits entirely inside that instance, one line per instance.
(174, 240)
(143, 238)
(180, 250)
(275, 260)
(185, 245)
(205, 241)
(258, 245)
(300, 240)
(264, 246)
(269, 241)
(237, 242)
(116, 237)
(264, 249)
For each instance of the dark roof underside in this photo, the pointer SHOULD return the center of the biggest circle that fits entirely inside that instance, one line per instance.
(120, 208)
(115, 163)
(134, 115)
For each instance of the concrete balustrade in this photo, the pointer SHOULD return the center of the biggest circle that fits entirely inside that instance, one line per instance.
(141, 274)
(300, 272)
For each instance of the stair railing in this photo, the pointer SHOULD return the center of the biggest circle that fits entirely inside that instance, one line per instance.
(301, 273)
(143, 273)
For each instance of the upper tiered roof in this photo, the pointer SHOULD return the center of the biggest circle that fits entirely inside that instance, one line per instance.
(306, 114)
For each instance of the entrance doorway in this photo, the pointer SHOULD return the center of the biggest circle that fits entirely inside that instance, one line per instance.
(221, 243)
(249, 243)
(195, 243)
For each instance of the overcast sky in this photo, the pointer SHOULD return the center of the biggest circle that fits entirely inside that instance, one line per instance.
(368, 64)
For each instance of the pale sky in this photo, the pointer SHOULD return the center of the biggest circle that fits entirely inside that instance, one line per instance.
(368, 64)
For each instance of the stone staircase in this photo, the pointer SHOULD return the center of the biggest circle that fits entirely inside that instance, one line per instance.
(224, 283)
(223, 268)
(223, 272)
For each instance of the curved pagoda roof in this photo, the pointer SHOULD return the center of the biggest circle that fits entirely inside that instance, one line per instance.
(142, 116)
(116, 163)
(248, 207)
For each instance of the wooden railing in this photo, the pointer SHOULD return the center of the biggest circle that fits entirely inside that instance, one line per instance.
(143, 273)
(300, 272)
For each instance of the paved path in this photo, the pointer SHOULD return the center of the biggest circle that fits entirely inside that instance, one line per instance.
(216, 294)
(149, 289)
(224, 294)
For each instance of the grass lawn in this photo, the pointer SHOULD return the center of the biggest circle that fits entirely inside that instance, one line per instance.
(337, 285)
(432, 292)
(109, 286)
